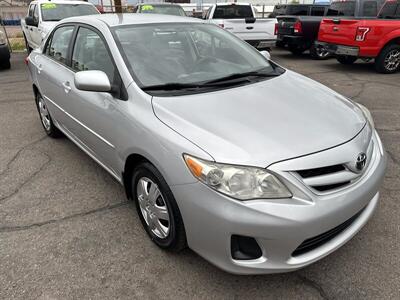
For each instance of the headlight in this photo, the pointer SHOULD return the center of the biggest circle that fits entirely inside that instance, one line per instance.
(2, 38)
(367, 114)
(243, 183)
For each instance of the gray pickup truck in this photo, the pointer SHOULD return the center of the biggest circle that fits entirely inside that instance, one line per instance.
(299, 33)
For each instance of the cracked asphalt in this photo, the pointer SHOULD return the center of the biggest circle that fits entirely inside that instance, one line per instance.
(67, 231)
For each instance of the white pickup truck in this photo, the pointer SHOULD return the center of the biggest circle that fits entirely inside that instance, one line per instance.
(43, 15)
(239, 18)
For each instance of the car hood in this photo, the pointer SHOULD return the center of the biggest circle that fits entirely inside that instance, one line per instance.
(262, 123)
(47, 26)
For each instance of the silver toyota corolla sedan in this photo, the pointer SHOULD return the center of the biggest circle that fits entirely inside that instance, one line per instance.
(256, 168)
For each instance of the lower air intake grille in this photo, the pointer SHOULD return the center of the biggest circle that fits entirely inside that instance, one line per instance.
(317, 241)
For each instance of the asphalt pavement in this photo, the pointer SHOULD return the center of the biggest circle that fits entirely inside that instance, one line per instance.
(67, 231)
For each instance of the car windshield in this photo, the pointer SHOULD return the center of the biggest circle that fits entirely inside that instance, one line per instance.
(56, 12)
(174, 10)
(186, 53)
(233, 12)
(345, 8)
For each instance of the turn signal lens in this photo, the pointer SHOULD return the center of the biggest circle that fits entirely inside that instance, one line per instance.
(297, 27)
(276, 29)
(361, 33)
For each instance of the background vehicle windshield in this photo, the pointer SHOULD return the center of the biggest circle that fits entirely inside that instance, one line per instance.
(56, 12)
(174, 10)
(233, 12)
(346, 8)
(185, 53)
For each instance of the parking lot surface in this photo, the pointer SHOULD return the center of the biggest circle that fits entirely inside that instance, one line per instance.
(67, 231)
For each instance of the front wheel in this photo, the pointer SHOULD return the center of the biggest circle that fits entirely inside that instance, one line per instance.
(346, 59)
(319, 52)
(388, 61)
(157, 208)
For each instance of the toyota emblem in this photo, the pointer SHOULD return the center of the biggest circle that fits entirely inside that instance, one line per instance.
(361, 161)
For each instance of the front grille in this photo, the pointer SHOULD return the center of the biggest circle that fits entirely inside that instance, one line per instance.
(321, 171)
(317, 241)
(325, 179)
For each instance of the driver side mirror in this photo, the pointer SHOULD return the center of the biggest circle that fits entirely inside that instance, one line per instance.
(266, 54)
(30, 21)
(92, 81)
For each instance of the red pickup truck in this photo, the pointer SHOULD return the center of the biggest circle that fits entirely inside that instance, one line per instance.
(378, 38)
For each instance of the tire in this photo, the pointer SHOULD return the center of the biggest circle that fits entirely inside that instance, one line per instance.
(319, 53)
(296, 50)
(346, 60)
(166, 231)
(45, 118)
(388, 61)
(6, 65)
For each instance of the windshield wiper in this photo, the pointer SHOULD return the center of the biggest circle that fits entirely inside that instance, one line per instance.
(242, 75)
(171, 86)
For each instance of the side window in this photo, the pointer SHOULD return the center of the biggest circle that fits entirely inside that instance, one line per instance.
(31, 9)
(317, 11)
(90, 53)
(58, 45)
(370, 9)
(36, 13)
(398, 12)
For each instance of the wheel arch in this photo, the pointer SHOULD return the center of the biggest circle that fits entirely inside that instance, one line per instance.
(131, 162)
(393, 38)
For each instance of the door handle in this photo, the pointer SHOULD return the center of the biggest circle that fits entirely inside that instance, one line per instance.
(39, 68)
(67, 87)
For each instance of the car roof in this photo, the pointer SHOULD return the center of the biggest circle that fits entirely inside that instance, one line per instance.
(131, 19)
(60, 2)
(158, 4)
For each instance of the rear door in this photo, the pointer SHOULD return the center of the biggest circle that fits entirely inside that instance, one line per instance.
(54, 74)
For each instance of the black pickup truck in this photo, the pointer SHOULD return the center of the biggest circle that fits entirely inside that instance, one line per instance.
(299, 33)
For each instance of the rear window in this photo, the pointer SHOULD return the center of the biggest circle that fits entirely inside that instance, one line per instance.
(317, 11)
(346, 8)
(233, 12)
(391, 10)
(298, 10)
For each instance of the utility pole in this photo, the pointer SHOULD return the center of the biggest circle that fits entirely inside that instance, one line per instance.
(118, 6)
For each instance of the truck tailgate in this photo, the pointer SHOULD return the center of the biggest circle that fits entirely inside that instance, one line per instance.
(252, 29)
(339, 31)
(286, 25)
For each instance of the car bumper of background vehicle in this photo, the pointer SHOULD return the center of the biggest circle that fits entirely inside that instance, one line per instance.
(4, 53)
(340, 49)
(263, 44)
(292, 40)
(278, 226)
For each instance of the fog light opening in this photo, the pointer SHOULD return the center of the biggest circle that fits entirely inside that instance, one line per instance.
(244, 248)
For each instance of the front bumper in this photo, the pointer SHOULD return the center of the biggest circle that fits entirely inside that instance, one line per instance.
(279, 226)
(340, 49)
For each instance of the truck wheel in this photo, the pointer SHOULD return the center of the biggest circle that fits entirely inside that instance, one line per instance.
(346, 59)
(296, 50)
(388, 61)
(319, 52)
(6, 65)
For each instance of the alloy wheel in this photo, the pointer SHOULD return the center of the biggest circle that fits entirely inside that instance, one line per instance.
(44, 114)
(392, 60)
(153, 207)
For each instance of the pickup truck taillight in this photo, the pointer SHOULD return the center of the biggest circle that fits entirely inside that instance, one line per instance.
(361, 33)
(297, 27)
(276, 29)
